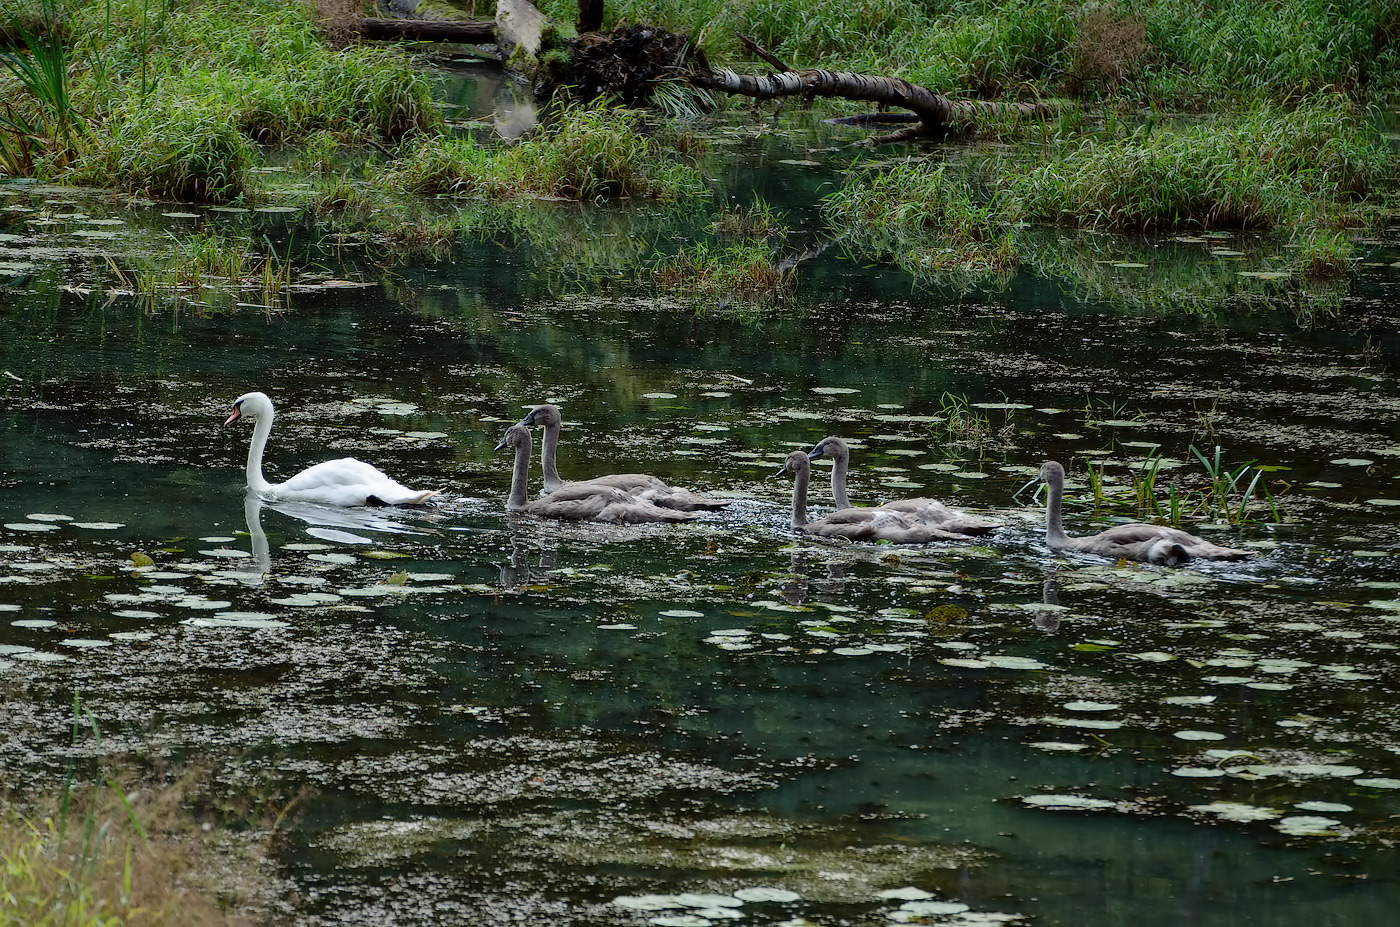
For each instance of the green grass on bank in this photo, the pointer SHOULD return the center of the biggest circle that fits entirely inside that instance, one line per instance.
(586, 154)
(169, 97)
(1179, 54)
(1292, 172)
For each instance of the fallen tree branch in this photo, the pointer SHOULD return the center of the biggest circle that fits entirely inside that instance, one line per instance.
(937, 113)
(778, 64)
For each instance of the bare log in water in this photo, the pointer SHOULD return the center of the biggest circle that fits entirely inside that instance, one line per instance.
(420, 30)
(937, 113)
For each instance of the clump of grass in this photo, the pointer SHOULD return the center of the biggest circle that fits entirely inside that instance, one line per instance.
(1266, 169)
(170, 147)
(756, 220)
(962, 425)
(1230, 495)
(929, 215)
(207, 264)
(448, 167)
(741, 272)
(1109, 47)
(1323, 255)
(598, 153)
(1227, 497)
(588, 154)
(45, 126)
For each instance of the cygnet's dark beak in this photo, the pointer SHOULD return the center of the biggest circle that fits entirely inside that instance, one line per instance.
(529, 419)
(817, 451)
(500, 447)
(235, 415)
(783, 469)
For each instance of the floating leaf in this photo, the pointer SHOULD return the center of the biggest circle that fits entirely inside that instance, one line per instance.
(1236, 811)
(1304, 825)
(708, 900)
(646, 902)
(142, 559)
(764, 893)
(1198, 735)
(1068, 803)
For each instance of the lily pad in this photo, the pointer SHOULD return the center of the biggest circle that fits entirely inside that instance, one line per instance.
(1068, 803)
(764, 893)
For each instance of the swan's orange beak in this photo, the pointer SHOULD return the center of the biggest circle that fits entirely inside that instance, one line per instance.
(234, 416)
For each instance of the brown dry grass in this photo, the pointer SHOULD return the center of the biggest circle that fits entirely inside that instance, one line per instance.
(338, 20)
(1108, 48)
(138, 854)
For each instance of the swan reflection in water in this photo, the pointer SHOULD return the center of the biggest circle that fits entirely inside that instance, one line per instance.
(324, 522)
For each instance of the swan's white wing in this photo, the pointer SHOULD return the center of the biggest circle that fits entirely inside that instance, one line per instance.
(348, 481)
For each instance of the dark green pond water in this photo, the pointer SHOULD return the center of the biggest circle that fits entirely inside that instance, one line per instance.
(512, 721)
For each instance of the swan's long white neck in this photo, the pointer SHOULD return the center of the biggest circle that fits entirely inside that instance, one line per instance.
(841, 464)
(547, 457)
(519, 475)
(799, 496)
(1054, 529)
(261, 429)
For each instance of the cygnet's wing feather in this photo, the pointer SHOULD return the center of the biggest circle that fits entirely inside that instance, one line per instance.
(859, 524)
(674, 497)
(941, 516)
(1153, 544)
(645, 488)
(595, 500)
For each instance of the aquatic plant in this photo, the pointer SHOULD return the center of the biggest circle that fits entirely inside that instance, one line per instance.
(1227, 497)
(1099, 413)
(962, 424)
(588, 154)
(756, 220)
(928, 216)
(742, 272)
(1323, 254)
(204, 266)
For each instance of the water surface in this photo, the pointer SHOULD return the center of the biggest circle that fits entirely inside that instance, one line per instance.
(512, 721)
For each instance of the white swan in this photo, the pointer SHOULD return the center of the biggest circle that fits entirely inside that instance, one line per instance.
(858, 524)
(927, 510)
(346, 481)
(649, 488)
(1147, 543)
(588, 501)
